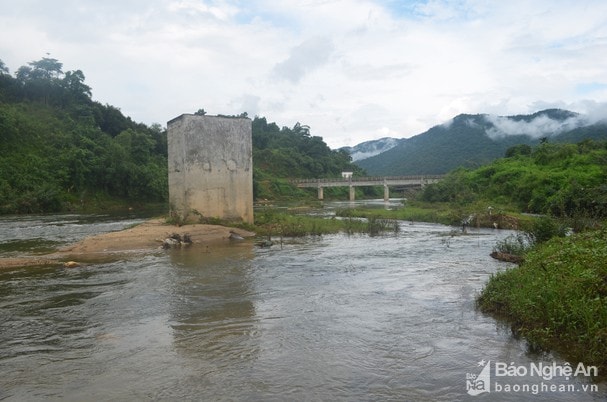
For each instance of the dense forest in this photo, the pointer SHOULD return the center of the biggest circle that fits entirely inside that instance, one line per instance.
(561, 180)
(282, 153)
(61, 150)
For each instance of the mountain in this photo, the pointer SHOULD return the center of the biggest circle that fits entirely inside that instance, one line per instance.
(371, 148)
(472, 140)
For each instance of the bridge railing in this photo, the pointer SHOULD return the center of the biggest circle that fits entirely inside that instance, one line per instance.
(368, 178)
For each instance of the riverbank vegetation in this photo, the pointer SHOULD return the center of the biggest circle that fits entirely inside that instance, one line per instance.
(291, 225)
(474, 215)
(557, 299)
(564, 181)
(307, 221)
(561, 180)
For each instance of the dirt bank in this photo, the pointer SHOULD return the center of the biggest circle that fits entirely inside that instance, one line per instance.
(140, 239)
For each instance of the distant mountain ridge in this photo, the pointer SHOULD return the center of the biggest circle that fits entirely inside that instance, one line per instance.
(472, 140)
(371, 148)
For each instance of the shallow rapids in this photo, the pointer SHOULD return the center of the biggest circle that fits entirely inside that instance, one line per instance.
(327, 318)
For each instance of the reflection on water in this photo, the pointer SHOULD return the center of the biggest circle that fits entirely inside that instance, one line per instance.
(214, 314)
(332, 318)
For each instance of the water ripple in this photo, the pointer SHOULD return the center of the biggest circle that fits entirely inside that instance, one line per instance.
(332, 318)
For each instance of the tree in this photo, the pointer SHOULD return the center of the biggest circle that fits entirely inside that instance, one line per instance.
(9, 87)
(41, 78)
(3, 68)
(521, 149)
(159, 134)
(110, 119)
(200, 112)
(302, 130)
(74, 83)
(23, 74)
(46, 68)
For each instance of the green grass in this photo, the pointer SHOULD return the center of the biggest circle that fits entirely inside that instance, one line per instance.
(278, 223)
(445, 213)
(437, 213)
(557, 299)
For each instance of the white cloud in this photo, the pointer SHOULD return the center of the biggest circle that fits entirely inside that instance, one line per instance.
(223, 11)
(323, 63)
(540, 126)
(304, 58)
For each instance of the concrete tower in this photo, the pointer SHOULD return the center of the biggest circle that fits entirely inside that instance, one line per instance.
(210, 167)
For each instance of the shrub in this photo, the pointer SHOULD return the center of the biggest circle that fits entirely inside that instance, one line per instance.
(516, 244)
(543, 229)
(558, 297)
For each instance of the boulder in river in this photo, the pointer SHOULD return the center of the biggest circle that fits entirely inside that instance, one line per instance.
(176, 240)
(517, 259)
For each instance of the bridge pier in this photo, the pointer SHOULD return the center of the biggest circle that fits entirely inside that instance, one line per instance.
(321, 193)
(352, 193)
(386, 193)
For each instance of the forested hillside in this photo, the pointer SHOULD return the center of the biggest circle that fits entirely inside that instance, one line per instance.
(283, 153)
(474, 140)
(61, 150)
(563, 180)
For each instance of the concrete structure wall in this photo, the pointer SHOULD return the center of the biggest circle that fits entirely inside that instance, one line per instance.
(211, 167)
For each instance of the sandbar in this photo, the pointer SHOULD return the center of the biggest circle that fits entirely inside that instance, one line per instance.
(141, 239)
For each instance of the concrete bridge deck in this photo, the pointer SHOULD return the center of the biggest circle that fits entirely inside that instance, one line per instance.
(352, 182)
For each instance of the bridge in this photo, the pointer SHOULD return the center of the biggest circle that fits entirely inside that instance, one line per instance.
(352, 182)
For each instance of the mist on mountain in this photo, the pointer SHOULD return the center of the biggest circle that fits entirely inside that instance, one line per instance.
(472, 140)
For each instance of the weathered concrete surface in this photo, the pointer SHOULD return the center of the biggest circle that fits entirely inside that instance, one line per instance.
(211, 167)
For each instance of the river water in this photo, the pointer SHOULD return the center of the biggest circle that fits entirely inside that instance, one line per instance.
(336, 317)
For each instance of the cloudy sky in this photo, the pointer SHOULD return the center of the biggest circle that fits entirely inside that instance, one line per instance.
(353, 70)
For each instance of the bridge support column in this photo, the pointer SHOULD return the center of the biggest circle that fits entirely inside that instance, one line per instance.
(352, 193)
(321, 193)
(386, 193)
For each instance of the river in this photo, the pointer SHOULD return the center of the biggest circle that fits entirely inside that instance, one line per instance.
(335, 317)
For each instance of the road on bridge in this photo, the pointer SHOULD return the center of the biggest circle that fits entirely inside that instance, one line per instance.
(352, 182)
